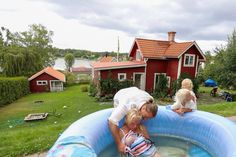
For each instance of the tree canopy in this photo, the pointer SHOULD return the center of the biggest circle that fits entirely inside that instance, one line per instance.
(221, 66)
(69, 60)
(24, 53)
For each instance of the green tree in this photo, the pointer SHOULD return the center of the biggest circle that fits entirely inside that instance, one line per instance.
(69, 60)
(227, 75)
(222, 64)
(24, 53)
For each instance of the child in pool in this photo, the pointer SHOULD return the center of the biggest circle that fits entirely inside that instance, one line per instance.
(135, 136)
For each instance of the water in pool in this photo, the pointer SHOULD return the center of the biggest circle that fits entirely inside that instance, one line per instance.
(167, 147)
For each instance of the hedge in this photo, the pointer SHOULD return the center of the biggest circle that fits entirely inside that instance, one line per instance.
(12, 88)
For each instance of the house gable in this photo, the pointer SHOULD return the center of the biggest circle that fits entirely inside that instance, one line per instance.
(50, 71)
(132, 53)
(197, 49)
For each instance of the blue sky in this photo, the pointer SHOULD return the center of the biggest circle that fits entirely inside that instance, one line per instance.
(96, 24)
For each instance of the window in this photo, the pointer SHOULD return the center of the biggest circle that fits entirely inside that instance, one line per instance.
(189, 60)
(42, 82)
(121, 76)
(138, 55)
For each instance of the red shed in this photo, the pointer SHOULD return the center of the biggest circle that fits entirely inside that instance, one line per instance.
(157, 57)
(46, 80)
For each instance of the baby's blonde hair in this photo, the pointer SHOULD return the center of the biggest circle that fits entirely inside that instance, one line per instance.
(182, 95)
(187, 84)
(133, 114)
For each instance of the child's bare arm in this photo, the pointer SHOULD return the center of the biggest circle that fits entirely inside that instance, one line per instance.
(186, 110)
(179, 111)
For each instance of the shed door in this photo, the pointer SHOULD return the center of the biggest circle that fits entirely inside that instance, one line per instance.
(139, 80)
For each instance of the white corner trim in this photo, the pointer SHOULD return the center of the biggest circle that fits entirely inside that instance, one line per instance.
(196, 70)
(179, 67)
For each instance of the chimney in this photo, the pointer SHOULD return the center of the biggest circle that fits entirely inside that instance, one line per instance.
(171, 36)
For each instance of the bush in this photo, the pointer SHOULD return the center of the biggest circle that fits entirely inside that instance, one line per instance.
(12, 88)
(70, 79)
(83, 78)
(84, 88)
(107, 88)
(111, 86)
(92, 90)
(176, 85)
(161, 88)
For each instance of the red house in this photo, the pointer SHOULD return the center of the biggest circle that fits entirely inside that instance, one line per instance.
(46, 80)
(150, 58)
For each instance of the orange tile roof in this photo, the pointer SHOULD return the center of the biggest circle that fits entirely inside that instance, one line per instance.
(176, 49)
(50, 71)
(106, 59)
(161, 49)
(114, 65)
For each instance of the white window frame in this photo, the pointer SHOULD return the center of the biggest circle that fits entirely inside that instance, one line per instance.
(143, 82)
(138, 55)
(188, 64)
(121, 74)
(42, 82)
(155, 75)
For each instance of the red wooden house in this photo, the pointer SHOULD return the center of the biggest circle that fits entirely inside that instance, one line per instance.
(150, 58)
(46, 80)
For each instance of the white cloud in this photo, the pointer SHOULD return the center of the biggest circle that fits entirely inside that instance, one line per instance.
(210, 45)
(96, 24)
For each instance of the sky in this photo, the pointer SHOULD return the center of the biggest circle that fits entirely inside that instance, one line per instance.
(96, 25)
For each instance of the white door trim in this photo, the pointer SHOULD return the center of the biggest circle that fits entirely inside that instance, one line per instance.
(142, 81)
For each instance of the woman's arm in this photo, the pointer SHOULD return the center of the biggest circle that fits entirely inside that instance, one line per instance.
(115, 132)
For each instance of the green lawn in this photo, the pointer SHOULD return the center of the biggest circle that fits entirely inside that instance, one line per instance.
(226, 109)
(19, 138)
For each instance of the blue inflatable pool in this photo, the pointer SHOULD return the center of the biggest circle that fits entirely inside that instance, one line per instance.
(88, 136)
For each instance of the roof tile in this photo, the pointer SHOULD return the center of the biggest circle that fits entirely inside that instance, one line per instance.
(160, 49)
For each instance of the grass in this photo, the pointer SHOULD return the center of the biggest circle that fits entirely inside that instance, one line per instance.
(19, 138)
(226, 109)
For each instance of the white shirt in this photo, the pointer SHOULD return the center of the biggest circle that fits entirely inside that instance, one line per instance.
(190, 104)
(126, 99)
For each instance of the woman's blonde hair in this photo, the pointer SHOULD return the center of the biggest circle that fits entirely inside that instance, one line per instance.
(133, 114)
(187, 84)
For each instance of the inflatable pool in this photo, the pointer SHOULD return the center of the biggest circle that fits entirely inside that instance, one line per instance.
(88, 136)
